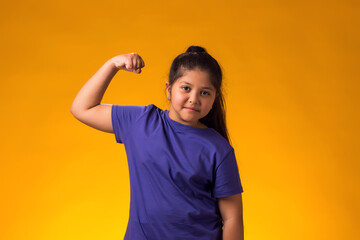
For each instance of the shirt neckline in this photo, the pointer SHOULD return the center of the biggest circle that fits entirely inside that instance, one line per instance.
(183, 127)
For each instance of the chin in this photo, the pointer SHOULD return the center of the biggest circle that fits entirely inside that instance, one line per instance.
(189, 120)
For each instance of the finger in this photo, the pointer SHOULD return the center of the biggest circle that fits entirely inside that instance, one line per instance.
(138, 70)
(128, 64)
(142, 62)
(133, 60)
(138, 63)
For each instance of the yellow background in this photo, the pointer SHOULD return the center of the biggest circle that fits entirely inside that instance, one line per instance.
(291, 72)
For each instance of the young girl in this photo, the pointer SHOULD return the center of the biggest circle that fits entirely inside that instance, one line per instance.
(184, 178)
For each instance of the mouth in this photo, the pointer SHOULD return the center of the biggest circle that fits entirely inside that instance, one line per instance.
(192, 109)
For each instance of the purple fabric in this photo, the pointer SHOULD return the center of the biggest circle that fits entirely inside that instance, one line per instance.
(177, 172)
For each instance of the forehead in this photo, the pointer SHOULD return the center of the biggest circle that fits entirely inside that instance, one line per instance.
(196, 78)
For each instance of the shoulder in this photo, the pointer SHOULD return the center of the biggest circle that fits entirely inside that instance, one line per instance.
(152, 110)
(153, 107)
(127, 118)
(213, 144)
(215, 139)
(131, 114)
(134, 109)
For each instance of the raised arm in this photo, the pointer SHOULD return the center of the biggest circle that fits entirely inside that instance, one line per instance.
(86, 106)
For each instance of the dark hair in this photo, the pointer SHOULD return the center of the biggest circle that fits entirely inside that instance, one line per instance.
(197, 57)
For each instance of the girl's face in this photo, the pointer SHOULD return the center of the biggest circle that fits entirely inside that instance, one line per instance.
(191, 97)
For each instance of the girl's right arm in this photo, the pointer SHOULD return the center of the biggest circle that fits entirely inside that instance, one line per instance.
(86, 106)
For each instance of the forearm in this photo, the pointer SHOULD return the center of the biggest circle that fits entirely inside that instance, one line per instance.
(233, 229)
(94, 89)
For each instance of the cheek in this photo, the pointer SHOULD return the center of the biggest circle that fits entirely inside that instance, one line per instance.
(178, 97)
(209, 103)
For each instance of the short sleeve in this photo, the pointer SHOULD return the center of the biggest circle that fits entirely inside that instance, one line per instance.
(123, 118)
(227, 179)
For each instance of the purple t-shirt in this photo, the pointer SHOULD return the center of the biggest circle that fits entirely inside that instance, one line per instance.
(177, 172)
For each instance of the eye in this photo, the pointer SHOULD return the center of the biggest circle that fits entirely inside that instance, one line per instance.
(205, 93)
(186, 88)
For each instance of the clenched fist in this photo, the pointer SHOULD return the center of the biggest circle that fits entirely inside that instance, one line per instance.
(131, 62)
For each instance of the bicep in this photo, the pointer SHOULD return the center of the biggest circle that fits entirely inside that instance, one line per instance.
(98, 117)
(231, 207)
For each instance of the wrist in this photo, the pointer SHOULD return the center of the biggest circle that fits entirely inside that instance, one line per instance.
(113, 64)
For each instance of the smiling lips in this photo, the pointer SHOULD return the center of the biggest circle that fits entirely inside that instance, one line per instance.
(192, 109)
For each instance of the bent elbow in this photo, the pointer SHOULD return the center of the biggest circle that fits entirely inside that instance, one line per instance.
(74, 111)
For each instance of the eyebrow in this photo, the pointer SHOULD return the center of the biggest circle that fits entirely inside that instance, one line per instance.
(210, 88)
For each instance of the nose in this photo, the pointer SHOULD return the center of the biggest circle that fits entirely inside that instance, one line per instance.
(194, 98)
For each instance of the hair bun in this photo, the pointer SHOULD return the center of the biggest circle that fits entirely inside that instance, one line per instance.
(196, 49)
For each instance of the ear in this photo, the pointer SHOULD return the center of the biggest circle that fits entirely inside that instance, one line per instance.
(168, 90)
